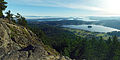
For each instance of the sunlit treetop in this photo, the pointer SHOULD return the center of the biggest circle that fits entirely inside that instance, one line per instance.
(3, 6)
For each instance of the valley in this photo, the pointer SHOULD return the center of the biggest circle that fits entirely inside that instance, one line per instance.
(74, 39)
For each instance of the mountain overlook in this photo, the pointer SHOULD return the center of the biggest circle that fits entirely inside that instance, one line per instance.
(20, 43)
(53, 30)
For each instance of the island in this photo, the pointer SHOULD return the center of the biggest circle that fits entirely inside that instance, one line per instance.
(89, 26)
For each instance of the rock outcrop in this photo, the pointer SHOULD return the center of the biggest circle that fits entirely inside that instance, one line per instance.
(20, 43)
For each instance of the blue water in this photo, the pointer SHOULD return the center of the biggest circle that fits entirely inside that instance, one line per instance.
(95, 28)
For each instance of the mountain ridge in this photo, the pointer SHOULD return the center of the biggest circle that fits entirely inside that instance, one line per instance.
(20, 43)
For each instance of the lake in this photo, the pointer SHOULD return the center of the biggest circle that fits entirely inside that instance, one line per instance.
(92, 28)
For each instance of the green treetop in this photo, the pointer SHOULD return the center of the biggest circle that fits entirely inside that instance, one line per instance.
(21, 20)
(2, 7)
(9, 15)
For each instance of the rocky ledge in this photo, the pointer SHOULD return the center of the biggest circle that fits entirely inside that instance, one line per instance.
(20, 43)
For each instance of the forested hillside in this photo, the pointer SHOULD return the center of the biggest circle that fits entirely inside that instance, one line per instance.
(77, 47)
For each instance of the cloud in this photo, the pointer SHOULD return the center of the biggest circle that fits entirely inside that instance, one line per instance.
(103, 7)
(73, 4)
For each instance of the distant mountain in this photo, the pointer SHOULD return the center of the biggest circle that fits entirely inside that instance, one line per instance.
(42, 17)
(104, 18)
(109, 23)
(56, 18)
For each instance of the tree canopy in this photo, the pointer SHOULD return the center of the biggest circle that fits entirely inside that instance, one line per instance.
(21, 20)
(3, 6)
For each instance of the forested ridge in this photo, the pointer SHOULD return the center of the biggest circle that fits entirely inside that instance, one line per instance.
(76, 47)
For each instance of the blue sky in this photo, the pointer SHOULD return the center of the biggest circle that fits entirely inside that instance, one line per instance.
(64, 7)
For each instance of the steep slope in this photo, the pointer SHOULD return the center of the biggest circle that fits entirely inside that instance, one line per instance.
(20, 43)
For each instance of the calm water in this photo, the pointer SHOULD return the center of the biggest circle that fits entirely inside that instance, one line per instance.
(95, 28)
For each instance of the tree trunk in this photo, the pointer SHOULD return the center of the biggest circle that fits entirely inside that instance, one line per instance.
(1, 13)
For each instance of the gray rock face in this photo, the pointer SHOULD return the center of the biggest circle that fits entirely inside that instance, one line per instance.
(19, 43)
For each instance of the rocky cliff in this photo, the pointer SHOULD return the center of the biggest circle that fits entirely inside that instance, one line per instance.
(20, 43)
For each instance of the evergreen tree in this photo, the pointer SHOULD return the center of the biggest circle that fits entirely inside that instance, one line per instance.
(67, 52)
(116, 48)
(9, 15)
(109, 41)
(109, 52)
(115, 41)
(2, 7)
(21, 20)
(91, 49)
(102, 49)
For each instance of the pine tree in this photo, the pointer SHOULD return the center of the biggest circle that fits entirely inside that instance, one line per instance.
(9, 15)
(110, 50)
(2, 7)
(91, 49)
(116, 48)
(21, 20)
(102, 49)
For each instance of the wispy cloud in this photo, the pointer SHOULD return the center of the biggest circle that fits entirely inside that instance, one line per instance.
(74, 4)
(89, 5)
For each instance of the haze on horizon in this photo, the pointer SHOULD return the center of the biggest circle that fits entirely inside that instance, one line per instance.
(64, 7)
